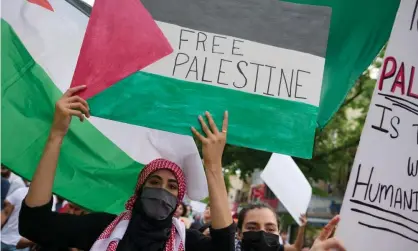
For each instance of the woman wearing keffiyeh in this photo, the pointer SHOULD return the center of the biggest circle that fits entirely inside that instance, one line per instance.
(147, 224)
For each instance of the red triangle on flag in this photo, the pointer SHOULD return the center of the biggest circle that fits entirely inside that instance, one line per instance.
(121, 38)
(42, 3)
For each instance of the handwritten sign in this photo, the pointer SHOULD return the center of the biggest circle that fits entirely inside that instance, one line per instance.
(240, 64)
(380, 208)
(264, 64)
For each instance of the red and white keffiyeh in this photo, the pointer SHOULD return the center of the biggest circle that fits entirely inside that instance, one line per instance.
(111, 236)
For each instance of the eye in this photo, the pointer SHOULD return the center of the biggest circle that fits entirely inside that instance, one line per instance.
(173, 186)
(271, 229)
(252, 228)
(153, 182)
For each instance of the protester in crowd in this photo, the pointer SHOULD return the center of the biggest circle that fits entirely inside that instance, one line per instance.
(5, 185)
(189, 212)
(258, 231)
(180, 211)
(284, 237)
(205, 219)
(15, 181)
(181, 214)
(258, 222)
(148, 223)
(10, 237)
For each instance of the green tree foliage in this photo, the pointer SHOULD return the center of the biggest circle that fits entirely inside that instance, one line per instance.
(335, 145)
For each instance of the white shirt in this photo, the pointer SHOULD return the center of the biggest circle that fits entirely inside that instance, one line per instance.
(10, 232)
(15, 183)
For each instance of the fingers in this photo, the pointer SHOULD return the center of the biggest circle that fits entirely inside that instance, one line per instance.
(333, 243)
(198, 135)
(303, 218)
(78, 114)
(329, 228)
(225, 122)
(75, 102)
(81, 107)
(74, 99)
(205, 128)
(70, 92)
(212, 129)
(212, 124)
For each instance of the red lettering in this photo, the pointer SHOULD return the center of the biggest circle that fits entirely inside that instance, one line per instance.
(411, 83)
(386, 75)
(399, 80)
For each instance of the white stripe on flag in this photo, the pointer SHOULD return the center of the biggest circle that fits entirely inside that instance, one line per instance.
(54, 40)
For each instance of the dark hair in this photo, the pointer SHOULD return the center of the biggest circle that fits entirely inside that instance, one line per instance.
(184, 214)
(249, 207)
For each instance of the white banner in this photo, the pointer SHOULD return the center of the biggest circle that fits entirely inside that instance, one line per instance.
(380, 208)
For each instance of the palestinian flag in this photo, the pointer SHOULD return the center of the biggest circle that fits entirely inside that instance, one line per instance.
(263, 61)
(100, 159)
(223, 59)
(41, 41)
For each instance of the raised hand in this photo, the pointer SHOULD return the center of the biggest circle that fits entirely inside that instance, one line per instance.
(323, 242)
(303, 220)
(213, 147)
(67, 106)
(213, 144)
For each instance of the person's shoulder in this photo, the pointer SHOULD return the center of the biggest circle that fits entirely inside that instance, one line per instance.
(16, 178)
(18, 193)
(21, 192)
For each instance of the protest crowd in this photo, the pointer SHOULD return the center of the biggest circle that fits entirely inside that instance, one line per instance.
(156, 218)
(116, 117)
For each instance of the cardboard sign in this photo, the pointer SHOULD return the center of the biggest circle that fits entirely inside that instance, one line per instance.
(380, 208)
(288, 183)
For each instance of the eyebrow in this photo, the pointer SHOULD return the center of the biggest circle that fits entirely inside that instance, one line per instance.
(251, 223)
(161, 179)
(172, 180)
(155, 176)
(271, 224)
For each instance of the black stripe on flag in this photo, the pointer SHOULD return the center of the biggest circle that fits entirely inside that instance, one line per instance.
(292, 26)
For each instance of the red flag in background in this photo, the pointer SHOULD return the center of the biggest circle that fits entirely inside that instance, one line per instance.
(121, 38)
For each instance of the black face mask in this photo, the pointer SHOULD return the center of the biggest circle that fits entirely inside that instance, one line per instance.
(260, 241)
(157, 203)
(150, 225)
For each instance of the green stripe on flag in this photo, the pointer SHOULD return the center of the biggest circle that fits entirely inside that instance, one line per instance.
(92, 171)
(359, 29)
(163, 106)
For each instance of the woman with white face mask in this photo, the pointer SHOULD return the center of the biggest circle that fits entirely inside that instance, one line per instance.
(148, 222)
